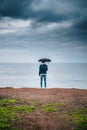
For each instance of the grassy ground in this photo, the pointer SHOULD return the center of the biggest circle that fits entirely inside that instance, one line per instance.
(60, 109)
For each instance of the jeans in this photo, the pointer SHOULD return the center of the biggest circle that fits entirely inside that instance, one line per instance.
(43, 77)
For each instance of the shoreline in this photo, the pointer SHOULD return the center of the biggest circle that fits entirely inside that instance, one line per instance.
(66, 88)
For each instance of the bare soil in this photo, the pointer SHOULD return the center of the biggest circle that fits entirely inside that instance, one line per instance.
(39, 120)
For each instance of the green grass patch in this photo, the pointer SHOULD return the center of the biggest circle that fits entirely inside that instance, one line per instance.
(59, 104)
(25, 108)
(52, 107)
(79, 115)
(7, 102)
(7, 117)
(48, 108)
(9, 112)
(80, 118)
(81, 125)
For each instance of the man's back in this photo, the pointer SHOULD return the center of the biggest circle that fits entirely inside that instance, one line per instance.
(42, 72)
(43, 69)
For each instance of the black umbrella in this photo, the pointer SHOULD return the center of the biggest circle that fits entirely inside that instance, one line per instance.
(44, 60)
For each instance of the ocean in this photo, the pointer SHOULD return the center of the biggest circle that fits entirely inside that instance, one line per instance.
(60, 75)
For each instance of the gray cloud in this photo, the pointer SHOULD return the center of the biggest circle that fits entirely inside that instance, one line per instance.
(43, 10)
(81, 23)
(57, 27)
(15, 9)
(25, 9)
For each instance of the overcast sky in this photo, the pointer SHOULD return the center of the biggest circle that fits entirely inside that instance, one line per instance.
(33, 29)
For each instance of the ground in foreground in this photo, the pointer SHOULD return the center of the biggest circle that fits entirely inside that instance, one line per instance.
(43, 109)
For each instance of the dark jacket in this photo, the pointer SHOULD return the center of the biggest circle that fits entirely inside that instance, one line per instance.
(43, 69)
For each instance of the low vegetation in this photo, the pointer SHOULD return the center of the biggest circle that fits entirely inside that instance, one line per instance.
(52, 107)
(25, 108)
(9, 112)
(80, 118)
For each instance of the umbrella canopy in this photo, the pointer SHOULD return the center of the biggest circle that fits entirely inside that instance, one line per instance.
(44, 60)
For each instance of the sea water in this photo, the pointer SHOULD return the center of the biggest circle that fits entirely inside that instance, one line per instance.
(59, 75)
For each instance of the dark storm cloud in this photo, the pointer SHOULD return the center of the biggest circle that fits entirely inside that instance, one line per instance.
(23, 9)
(46, 10)
(49, 11)
(81, 23)
(38, 10)
(79, 28)
(15, 8)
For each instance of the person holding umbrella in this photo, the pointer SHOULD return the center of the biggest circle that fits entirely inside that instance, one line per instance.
(43, 68)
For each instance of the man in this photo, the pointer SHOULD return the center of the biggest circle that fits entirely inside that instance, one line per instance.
(42, 73)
